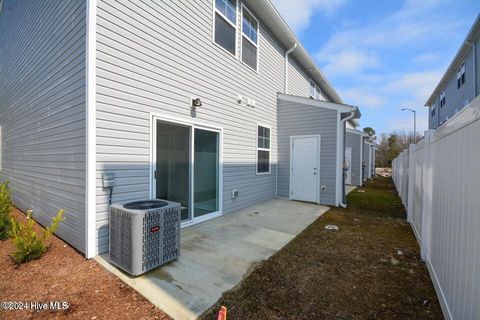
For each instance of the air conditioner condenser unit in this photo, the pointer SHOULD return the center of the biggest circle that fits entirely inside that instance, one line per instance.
(144, 234)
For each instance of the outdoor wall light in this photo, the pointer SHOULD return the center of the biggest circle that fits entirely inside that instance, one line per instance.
(195, 102)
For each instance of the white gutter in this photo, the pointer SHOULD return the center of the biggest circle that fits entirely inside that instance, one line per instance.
(341, 146)
(286, 65)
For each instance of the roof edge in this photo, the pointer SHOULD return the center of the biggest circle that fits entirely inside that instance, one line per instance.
(343, 108)
(274, 20)
(455, 64)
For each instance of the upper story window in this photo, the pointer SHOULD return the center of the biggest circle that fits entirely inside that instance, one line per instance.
(226, 24)
(312, 89)
(263, 150)
(315, 92)
(461, 76)
(318, 93)
(433, 111)
(249, 39)
(442, 99)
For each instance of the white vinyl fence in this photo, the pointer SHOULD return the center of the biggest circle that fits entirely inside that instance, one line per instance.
(438, 180)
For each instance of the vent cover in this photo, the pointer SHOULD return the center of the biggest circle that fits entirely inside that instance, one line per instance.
(143, 239)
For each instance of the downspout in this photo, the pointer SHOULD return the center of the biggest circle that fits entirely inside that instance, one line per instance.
(286, 65)
(341, 168)
(475, 63)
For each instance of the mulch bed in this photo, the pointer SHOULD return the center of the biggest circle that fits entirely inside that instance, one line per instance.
(63, 274)
(369, 269)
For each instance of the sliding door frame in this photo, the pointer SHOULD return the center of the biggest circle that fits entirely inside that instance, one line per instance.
(154, 118)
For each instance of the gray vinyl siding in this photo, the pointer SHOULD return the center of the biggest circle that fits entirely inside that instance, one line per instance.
(42, 110)
(354, 141)
(298, 80)
(297, 119)
(477, 66)
(150, 60)
(365, 160)
(455, 98)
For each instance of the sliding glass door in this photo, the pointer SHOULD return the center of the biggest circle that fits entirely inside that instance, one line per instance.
(188, 168)
(173, 165)
(205, 168)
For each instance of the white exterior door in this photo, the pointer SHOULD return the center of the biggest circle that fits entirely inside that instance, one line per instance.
(305, 168)
(348, 165)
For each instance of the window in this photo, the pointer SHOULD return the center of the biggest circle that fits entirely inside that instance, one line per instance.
(315, 92)
(433, 111)
(263, 150)
(461, 76)
(312, 89)
(318, 93)
(249, 39)
(442, 99)
(226, 24)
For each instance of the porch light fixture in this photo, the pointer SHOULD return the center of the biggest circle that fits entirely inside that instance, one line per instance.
(195, 102)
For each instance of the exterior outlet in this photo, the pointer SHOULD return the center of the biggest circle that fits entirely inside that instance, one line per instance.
(234, 194)
(323, 188)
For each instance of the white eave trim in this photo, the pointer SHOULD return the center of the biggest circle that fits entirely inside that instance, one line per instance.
(357, 132)
(342, 108)
(90, 194)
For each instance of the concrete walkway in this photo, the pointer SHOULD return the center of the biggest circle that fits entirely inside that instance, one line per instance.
(350, 188)
(216, 255)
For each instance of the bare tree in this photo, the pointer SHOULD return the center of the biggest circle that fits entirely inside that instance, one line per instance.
(390, 146)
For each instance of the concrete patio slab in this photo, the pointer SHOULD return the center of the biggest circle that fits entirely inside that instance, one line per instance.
(217, 254)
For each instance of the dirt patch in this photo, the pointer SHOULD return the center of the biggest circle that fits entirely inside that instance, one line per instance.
(63, 274)
(369, 269)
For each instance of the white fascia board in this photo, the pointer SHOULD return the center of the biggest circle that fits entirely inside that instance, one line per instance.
(342, 108)
(361, 133)
(90, 194)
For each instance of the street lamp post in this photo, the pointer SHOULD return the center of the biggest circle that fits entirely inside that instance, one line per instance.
(414, 123)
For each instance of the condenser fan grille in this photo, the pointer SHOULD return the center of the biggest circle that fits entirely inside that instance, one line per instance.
(145, 205)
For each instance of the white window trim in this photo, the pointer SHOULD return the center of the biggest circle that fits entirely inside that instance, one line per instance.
(263, 149)
(311, 84)
(214, 11)
(257, 45)
(192, 124)
(318, 92)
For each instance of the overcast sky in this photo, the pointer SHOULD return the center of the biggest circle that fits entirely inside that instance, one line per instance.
(382, 55)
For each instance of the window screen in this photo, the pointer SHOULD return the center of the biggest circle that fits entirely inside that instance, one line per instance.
(249, 53)
(263, 150)
(224, 34)
(249, 39)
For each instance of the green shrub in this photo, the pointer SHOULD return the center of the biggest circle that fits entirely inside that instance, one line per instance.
(5, 204)
(28, 245)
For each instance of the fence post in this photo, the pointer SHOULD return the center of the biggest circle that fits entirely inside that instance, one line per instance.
(411, 181)
(427, 207)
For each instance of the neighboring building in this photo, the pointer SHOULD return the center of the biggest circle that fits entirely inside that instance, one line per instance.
(177, 101)
(368, 158)
(461, 82)
(354, 156)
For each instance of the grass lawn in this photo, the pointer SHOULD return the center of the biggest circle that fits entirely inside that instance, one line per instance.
(369, 269)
